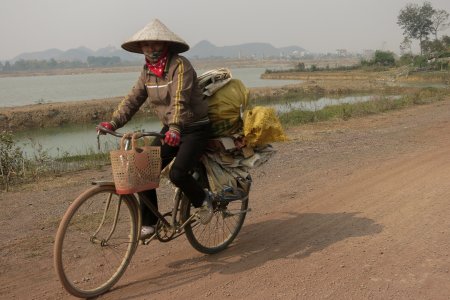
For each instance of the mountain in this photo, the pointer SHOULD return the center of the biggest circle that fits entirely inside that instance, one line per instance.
(78, 54)
(110, 51)
(42, 55)
(203, 49)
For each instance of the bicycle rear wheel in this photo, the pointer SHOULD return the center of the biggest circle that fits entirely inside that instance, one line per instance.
(223, 228)
(95, 241)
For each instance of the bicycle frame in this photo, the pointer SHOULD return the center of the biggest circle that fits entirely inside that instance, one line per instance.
(164, 224)
(173, 225)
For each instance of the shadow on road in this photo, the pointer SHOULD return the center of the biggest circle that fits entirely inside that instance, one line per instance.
(294, 236)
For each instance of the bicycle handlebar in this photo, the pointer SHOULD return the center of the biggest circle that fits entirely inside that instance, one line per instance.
(138, 133)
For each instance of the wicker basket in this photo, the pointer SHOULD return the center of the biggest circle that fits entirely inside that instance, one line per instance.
(137, 169)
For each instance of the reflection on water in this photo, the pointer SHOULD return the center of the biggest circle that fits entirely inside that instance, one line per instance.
(83, 139)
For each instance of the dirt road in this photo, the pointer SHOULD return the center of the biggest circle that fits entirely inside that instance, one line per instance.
(354, 209)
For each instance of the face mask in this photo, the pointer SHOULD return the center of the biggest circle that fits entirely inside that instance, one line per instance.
(154, 55)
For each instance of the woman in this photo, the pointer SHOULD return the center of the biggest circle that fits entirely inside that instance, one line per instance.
(170, 83)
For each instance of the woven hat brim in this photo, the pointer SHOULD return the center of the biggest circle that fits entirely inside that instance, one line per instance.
(155, 31)
(174, 47)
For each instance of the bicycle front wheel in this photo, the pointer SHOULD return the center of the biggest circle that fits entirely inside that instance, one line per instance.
(223, 228)
(95, 241)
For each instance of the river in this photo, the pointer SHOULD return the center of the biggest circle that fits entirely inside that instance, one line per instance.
(18, 91)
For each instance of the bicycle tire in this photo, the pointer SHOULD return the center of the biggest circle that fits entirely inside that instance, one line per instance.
(220, 232)
(81, 264)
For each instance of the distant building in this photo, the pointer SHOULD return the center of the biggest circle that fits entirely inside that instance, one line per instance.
(368, 53)
(342, 52)
(297, 54)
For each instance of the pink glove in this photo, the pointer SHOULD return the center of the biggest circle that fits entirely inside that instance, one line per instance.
(107, 125)
(172, 137)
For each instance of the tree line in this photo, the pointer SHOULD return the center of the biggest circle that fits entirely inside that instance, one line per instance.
(43, 65)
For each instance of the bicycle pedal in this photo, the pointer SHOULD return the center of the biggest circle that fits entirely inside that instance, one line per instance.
(227, 189)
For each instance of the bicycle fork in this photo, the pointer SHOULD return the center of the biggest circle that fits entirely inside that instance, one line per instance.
(104, 242)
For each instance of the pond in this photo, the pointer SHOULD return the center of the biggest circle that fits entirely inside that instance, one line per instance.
(82, 139)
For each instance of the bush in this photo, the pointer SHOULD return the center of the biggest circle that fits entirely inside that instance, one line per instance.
(384, 58)
(300, 67)
(12, 161)
(406, 59)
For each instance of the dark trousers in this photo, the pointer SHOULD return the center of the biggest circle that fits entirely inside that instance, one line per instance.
(187, 154)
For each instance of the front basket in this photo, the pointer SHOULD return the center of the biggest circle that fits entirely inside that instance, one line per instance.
(136, 170)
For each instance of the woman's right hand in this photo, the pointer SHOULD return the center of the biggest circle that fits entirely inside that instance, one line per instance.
(106, 125)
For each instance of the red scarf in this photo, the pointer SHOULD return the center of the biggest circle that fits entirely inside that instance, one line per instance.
(158, 67)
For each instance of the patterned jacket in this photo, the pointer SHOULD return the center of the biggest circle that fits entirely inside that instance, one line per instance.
(176, 98)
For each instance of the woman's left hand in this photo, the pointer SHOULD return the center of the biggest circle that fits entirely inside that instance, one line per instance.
(172, 138)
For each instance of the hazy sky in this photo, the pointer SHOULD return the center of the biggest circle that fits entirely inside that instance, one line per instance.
(316, 25)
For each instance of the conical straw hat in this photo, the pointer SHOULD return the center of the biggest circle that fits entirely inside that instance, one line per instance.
(155, 31)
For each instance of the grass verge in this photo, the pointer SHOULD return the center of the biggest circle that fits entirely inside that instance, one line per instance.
(378, 105)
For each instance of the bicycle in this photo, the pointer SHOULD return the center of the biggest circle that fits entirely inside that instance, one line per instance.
(100, 231)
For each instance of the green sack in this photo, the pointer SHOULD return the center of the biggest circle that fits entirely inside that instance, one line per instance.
(225, 108)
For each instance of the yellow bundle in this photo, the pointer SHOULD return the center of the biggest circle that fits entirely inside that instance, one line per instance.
(262, 126)
(224, 108)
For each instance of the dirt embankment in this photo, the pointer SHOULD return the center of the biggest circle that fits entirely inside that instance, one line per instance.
(56, 114)
(78, 112)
